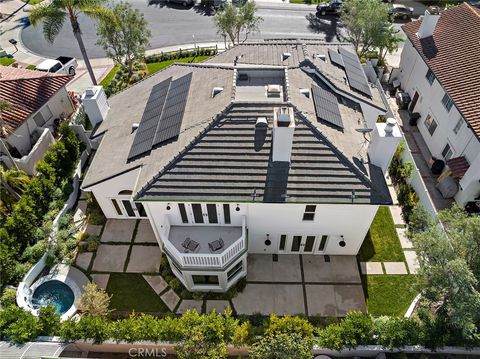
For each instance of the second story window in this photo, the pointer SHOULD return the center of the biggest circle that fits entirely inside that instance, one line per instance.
(309, 214)
(447, 102)
(430, 76)
(447, 152)
(430, 124)
(458, 126)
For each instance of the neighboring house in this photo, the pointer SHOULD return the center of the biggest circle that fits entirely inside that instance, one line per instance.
(37, 100)
(440, 69)
(268, 148)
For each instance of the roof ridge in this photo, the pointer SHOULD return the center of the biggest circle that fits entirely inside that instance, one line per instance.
(475, 10)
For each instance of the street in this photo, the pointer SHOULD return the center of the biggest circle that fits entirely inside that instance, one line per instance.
(173, 24)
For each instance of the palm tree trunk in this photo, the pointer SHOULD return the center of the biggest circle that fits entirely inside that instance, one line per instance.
(78, 36)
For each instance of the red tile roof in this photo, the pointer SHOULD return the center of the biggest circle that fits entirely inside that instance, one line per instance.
(26, 91)
(453, 54)
(458, 166)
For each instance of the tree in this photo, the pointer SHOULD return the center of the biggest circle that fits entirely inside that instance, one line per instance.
(233, 20)
(388, 42)
(204, 336)
(14, 183)
(365, 22)
(94, 301)
(450, 271)
(125, 39)
(49, 320)
(53, 15)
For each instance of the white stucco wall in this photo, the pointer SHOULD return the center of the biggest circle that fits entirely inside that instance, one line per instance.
(58, 104)
(334, 220)
(412, 75)
(107, 190)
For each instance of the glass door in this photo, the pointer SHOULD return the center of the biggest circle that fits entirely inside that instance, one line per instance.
(303, 244)
(131, 209)
(205, 213)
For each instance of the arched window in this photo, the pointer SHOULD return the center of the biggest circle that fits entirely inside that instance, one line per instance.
(125, 193)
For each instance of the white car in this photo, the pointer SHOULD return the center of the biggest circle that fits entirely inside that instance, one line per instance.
(62, 64)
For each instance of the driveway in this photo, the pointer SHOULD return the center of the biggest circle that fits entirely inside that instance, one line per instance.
(295, 284)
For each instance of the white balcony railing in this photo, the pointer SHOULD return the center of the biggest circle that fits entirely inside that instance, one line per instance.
(210, 260)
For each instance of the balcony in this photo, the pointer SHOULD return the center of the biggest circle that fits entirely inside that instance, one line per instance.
(234, 238)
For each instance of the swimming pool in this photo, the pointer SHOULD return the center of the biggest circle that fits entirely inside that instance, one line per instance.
(53, 292)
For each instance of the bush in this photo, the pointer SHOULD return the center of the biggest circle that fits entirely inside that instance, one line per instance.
(288, 325)
(92, 243)
(397, 332)
(94, 301)
(24, 327)
(283, 346)
(49, 321)
(9, 297)
(94, 212)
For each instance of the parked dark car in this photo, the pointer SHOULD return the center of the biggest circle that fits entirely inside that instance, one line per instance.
(399, 11)
(331, 8)
(183, 2)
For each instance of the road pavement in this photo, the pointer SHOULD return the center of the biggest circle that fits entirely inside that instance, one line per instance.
(173, 24)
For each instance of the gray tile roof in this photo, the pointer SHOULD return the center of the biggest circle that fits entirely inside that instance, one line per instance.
(217, 155)
(232, 162)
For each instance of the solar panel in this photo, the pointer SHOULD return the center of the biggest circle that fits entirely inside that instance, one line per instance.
(335, 57)
(356, 76)
(172, 114)
(151, 115)
(326, 106)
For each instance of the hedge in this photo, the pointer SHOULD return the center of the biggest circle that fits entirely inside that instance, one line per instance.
(180, 54)
(205, 330)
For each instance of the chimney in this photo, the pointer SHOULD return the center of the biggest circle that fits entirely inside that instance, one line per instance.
(432, 14)
(96, 105)
(283, 129)
(384, 142)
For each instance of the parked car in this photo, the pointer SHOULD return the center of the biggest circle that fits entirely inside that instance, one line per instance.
(62, 64)
(333, 7)
(399, 11)
(183, 2)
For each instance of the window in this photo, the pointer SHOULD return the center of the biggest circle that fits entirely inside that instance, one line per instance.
(447, 102)
(226, 213)
(458, 126)
(309, 214)
(183, 212)
(323, 241)
(47, 113)
(39, 120)
(125, 192)
(447, 152)
(117, 207)
(128, 208)
(205, 279)
(430, 124)
(283, 240)
(234, 271)
(309, 243)
(430, 76)
(140, 209)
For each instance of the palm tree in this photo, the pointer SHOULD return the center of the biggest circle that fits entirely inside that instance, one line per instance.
(54, 14)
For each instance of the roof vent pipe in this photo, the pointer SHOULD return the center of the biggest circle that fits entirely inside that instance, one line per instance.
(135, 126)
(286, 55)
(429, 22)
(305, 92)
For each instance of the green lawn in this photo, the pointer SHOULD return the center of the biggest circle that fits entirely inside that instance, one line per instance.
(131, 292)
(152, 67)
(109, 76)
(382, 243)
(6, 61)
(388, 294)
(157, 66)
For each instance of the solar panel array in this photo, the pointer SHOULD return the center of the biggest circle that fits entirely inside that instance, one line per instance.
(356, 76)
(144, 136)
(172, 114)
(162, 116)
(335, 57)
(326, 106)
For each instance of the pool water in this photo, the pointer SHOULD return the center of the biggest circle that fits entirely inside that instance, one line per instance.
(53, 292)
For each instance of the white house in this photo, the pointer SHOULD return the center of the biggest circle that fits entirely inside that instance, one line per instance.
(37, 99)
(266, 148)
(439, 68)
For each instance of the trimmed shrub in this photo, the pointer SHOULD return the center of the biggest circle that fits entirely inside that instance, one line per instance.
(9, 297)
